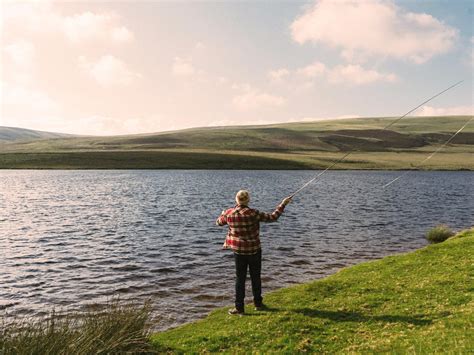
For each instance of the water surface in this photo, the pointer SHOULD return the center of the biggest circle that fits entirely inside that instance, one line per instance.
(72, 238)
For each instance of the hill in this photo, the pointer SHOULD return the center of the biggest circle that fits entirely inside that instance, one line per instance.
(421, 302)
(303, 145)
(12, 134)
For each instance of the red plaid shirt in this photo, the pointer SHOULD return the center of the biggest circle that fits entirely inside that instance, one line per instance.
(243, 236)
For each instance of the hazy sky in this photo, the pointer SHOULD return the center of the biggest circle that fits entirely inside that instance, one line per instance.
(93, 67)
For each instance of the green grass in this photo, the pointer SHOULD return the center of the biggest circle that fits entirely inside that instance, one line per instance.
(308, 145)
(451, 159)
(115, 329)
(421, 302)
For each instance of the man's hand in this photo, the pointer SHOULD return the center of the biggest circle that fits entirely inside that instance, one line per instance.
(286, 201)
(220, 222)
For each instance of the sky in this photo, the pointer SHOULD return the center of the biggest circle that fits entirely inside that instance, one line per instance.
(107, 68)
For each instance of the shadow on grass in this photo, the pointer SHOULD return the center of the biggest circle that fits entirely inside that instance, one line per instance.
(344, 316)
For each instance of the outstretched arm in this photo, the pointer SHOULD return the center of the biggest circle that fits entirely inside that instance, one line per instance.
(272, 217)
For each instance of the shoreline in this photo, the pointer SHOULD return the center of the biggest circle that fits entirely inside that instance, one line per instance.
(288, 312)
(418, 301)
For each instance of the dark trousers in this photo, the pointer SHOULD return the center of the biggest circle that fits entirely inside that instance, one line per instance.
(254, 263)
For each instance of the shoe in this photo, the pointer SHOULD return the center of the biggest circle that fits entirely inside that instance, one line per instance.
(235, 312)
(261, 307)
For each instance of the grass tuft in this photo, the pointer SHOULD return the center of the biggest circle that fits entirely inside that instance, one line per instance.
(439, 234)
(116, 328)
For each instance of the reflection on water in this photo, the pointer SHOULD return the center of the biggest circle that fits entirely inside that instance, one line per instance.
(70, 238)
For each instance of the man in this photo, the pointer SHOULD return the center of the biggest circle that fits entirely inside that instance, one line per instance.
(243, 238)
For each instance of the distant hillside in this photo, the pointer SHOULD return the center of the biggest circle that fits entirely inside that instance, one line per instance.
(300, 145)
(11, 134)
(364, 134)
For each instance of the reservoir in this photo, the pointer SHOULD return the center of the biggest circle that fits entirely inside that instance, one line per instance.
(69, 239)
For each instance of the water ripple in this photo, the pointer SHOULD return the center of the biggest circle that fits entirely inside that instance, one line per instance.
(72, 238)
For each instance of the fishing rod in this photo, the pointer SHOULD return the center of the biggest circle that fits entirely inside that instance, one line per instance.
(431, 155)
(336, 162)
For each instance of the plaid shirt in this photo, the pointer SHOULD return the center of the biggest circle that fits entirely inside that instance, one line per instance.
(243, 236)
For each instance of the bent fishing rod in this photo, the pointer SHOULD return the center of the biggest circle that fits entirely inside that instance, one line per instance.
(338, 161)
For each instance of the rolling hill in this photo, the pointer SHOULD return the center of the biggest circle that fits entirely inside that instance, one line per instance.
(302, 145)
(13, 134)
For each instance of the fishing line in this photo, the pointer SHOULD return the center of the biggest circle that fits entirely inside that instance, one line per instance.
(432, 154)
(384, 128)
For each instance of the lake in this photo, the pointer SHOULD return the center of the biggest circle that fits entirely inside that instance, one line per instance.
(72, 238)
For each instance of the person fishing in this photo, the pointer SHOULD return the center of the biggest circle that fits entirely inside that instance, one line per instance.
(243, 238)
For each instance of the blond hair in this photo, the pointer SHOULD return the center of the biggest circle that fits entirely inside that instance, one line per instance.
(242, 197)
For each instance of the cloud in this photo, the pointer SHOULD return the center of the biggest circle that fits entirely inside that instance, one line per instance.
(43, 17)
(362, 29)
(199, 46)
(20, 63)
(278, 75)
(222, 80)
(312, 70)
(21, 53)
(16, 97)
(89, 26)
(356, 75)
(445, 111)
(182, 67)
(108, 71)
(253, 98)
(344, 74)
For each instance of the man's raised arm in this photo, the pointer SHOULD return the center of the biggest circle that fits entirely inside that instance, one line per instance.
(272, 217)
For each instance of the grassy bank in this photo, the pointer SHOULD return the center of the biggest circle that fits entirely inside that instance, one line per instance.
(421, 302)
(307, 145)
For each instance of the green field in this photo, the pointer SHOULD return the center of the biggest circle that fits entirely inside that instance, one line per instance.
(306, 145)
(421, 302)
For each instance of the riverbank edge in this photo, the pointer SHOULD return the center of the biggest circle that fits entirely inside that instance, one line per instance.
(417, 302)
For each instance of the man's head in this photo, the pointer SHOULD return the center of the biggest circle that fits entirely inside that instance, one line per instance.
(242, 197)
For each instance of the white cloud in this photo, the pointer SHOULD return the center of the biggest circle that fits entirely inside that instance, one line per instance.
(343, 74)
(222, 80)
(121, 34)
(278, 75)
(20, 56)
(361, 29)
(89, 26)
(356, 75)
(182, 67)
(16, 97)
(199, 46)
(313, 70)
(445, 111)
(108, 71)
(21, 53)
(42, 17)
(253, 98)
